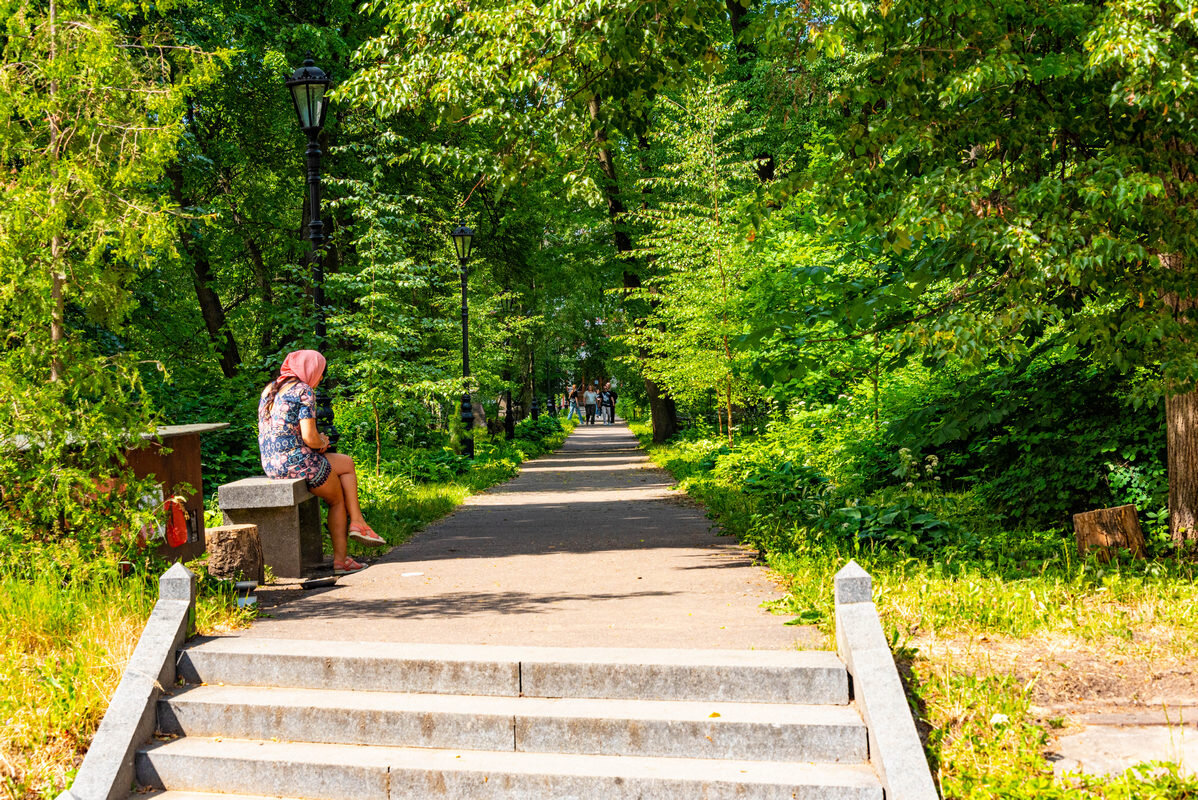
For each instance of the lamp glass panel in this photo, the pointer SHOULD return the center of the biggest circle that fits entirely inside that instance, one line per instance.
(309, 102)
(316, 104)
(461, 243)
(299, 93)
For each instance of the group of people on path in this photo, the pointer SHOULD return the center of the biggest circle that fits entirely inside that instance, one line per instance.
(586, 400)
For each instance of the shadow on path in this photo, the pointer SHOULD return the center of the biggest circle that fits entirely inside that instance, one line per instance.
(460, 604)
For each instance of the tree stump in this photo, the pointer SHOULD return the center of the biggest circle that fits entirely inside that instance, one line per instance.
(1108, 530)
(235, 553)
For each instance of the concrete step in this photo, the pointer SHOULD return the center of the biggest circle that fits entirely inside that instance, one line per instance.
(167, 794)
(756, 676)
(696, 729)
(368, 772)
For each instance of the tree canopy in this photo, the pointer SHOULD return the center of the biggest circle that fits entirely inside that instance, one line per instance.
(732, 209)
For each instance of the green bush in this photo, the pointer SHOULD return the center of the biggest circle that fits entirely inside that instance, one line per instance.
(1041, 441)
(539, 429)
(792, 501)
(428, 466)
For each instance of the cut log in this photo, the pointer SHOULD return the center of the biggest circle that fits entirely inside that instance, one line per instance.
(235, 553)
(1109, 530)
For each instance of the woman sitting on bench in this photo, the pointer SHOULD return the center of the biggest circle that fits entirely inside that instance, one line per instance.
(292, 447)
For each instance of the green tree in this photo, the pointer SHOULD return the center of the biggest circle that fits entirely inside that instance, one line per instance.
(556, 87)
(1030, 166)
(92, 98)
(691, 234)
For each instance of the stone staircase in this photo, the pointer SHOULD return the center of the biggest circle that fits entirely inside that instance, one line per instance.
(306, 719)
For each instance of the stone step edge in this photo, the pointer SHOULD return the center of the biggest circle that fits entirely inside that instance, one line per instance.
(370, 763)
(671, 729)
(817, 677)
(589, 708)
(405, 651)
(187, 794)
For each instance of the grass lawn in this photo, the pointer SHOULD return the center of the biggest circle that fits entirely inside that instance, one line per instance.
(998, 653)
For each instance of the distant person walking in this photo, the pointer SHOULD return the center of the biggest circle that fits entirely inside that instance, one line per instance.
(292, 447)
(575, 398)
(608, 400)
(589, 397)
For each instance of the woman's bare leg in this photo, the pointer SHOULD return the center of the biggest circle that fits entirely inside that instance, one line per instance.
(330, 491)
(343, 469)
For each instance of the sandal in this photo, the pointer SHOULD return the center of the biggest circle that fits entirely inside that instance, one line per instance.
(363, 533)
(347, 566)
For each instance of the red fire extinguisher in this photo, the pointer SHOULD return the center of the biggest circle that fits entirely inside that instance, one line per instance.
(176, 524)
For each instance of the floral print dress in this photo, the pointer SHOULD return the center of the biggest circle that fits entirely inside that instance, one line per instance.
(284, 454)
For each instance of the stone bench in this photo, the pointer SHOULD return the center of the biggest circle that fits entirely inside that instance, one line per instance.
(288, 520)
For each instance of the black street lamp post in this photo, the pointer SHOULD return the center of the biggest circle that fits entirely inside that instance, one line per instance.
(462, 241)
(535, 410)
(308, 86)
(550, 402)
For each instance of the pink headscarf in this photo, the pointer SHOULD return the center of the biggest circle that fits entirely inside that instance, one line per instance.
(307, 365)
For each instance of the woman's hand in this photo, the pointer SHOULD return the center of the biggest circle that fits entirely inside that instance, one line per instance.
(313, 437)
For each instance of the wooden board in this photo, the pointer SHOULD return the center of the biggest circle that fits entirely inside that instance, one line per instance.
(181, 465)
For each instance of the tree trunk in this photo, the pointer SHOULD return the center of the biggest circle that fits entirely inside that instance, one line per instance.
(261, 277)
(211, 309)
(378, 440)
(214, 314)
(1109, 530)
(235, 553)
(1181, 436)
(662, 409)
(737, 20)
(663, 412)
(509, 418)
(58, 331)
(729, 400)
(746, 53)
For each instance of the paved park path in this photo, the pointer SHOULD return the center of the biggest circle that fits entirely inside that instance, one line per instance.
(588, 546)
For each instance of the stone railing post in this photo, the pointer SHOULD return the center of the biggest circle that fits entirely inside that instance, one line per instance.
(894, 746)
(129, 722)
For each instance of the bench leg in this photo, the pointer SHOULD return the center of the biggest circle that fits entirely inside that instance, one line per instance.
(290, 535)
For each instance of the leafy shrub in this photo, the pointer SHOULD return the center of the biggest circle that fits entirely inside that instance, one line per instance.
(791, 499)
(1146, 486)
(538, 430)
(428, 466)
(904, 525)
(1037, 440)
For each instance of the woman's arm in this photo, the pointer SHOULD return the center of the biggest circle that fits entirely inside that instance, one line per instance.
(312, 437)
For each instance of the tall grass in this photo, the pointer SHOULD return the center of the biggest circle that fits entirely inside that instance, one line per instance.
(63, 646)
